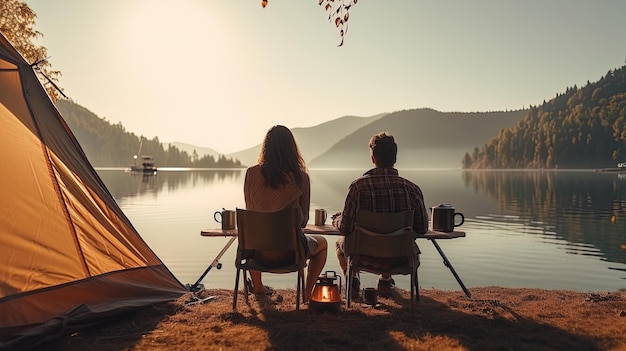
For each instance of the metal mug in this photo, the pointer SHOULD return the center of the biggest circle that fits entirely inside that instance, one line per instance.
(370, 296)
(444, 218)
(227, 218)
(320, 216)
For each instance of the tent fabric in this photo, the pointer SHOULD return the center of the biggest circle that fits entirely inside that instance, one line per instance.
(68, 254)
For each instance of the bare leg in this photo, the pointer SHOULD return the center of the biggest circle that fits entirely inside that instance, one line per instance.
(341, 256)
(316, 264)
(257, 284)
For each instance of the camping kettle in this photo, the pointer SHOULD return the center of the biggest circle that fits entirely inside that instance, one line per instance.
(443, 218)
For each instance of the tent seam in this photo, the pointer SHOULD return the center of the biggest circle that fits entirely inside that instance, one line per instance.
(54, 177)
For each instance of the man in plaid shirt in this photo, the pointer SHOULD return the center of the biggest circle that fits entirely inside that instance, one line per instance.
(380, 189)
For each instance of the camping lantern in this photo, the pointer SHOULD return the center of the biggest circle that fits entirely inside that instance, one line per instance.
(326, 295)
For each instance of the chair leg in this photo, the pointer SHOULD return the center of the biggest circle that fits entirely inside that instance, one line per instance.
(349, 286)
(302, 285)
(236, 290)
(413, 279)
(417, 286)
(245, 285)
(298, 291)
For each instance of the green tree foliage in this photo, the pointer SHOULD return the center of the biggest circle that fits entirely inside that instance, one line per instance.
(110, 145)
(581, 128)
(17, 23)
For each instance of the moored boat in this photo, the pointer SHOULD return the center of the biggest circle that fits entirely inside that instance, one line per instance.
(146, 165)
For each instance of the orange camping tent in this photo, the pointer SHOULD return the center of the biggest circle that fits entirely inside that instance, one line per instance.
(69, 257)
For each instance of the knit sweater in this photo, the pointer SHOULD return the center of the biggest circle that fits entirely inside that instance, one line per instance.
(262, 198)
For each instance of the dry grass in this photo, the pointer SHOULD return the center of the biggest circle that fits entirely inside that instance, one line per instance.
(497, 319)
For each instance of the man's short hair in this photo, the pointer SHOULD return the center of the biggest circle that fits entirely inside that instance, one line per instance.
(384, 149)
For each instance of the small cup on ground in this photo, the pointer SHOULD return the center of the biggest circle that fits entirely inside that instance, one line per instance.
(370, 296)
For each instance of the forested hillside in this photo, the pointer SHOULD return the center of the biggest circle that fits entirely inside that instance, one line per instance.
(110, 145)
(581, 128)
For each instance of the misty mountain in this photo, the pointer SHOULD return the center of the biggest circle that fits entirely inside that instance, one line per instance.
(313, 141)
(426, 138)
(189, 149)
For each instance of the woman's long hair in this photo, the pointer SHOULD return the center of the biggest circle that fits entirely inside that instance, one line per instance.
(280, 158)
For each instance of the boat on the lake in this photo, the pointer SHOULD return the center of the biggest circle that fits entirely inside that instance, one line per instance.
(143, 163)
(146, 166)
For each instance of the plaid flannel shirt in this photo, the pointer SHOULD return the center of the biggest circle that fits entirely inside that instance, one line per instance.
(383, 190)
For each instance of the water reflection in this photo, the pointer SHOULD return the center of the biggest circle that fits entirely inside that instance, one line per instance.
(329, 188)
(587, 209)
(126, 184)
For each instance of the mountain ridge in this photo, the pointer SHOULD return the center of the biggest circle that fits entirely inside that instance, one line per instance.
(309, 139)
(342, 143)
(426, 138)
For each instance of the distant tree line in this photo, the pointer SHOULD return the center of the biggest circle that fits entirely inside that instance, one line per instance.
(581, 128)
(110, 145)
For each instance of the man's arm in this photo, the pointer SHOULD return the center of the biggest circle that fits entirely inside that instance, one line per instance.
(346, 223)
(420, 217)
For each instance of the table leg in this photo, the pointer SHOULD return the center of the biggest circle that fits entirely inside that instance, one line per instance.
(215, 263)
(447, 263)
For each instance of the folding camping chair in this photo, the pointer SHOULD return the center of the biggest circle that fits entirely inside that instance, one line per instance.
(382, 237)
(277, 232)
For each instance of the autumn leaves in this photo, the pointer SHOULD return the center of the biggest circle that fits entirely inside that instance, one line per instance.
(338, 12)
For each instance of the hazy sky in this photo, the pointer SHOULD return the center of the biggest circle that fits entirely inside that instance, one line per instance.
(219, 73)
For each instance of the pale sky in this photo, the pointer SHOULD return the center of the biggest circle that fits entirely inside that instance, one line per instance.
(220, 73)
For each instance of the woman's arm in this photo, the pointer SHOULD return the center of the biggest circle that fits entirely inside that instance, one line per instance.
(246, 188)
(305, 199)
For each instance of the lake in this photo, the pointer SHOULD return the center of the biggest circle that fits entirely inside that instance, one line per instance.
(551, 230)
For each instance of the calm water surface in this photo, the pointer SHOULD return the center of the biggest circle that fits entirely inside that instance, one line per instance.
(551, 230)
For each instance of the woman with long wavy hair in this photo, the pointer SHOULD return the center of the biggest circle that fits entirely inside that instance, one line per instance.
(280, 180)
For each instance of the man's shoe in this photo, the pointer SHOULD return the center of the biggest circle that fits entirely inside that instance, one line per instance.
(356, 289)
(385, 287)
